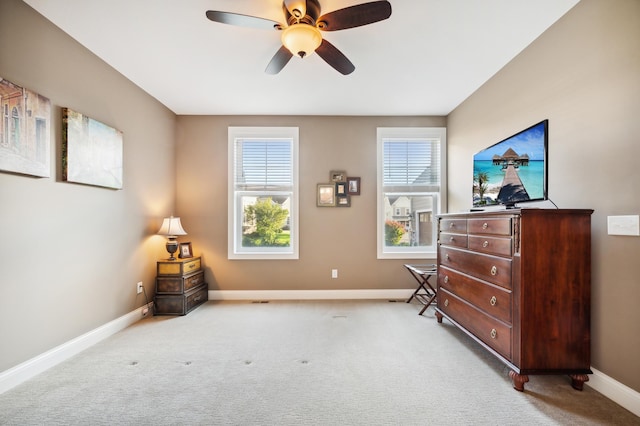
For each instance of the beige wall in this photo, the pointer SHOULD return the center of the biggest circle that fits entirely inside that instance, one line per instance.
(330, 238)
(583, 74)
(71, 254)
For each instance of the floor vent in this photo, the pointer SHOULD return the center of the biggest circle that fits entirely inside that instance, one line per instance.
(260, 301)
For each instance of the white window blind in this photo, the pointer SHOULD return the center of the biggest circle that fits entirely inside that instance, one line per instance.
(411, 163)
(263, 164)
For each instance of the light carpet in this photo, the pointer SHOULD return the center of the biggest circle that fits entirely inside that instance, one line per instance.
(297, 363)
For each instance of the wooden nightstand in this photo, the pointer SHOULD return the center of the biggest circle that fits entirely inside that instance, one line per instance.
(180, 286)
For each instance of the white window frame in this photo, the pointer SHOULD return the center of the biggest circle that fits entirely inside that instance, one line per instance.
(409, 133)
(235, 216)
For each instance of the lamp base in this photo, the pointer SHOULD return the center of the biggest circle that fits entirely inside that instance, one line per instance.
(172, 247)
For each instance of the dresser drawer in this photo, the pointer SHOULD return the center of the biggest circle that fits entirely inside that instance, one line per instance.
(490, 226)
(494, 300)
(178, 266)
(181, 304)
(494, 333)
(496, 270)
(457, 240)
(453, 225)
(179, 285)
(493, 245)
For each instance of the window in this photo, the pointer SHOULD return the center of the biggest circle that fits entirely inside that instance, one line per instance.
(411, 191)
(263, 193)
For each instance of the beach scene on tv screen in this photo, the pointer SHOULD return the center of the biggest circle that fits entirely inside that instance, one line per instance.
(511, 171)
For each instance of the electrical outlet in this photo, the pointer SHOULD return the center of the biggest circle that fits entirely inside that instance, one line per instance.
(139, 287)
(334, 273)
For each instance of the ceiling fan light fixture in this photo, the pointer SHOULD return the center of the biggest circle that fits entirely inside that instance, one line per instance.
(301, 39)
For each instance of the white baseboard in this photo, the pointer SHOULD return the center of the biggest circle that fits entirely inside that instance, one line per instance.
(370, 294)
(615, 391)
(28, 369)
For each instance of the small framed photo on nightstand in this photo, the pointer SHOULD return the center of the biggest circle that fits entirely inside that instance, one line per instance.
(185, 251)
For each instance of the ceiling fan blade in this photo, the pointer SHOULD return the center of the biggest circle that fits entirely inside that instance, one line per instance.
(279, 60)
(242, 20)
(335, 58)
(355, 16)
(297, 8)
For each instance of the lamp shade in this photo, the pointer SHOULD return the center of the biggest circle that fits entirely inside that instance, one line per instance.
(301, 39)
(171, 227)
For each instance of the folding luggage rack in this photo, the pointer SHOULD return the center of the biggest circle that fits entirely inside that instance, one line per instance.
(425, 293)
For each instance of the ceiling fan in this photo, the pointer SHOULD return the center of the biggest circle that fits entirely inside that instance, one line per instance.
(301, 35)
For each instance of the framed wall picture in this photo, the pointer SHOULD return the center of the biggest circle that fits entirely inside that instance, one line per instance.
(341, 189)
(91, 151)
(353, 185)
(326, 196)
(343, 201)
(338, 176)
(185, 251)
(25, 135)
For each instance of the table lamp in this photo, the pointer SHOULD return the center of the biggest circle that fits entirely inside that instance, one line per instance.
(171, 228)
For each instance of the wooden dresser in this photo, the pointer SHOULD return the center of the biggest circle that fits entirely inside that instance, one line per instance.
(180, 286)
(519, 283)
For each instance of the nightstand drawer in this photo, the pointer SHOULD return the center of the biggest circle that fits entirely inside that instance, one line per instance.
(178, 266)
(181, 304)
(198, 297)
(179, 285)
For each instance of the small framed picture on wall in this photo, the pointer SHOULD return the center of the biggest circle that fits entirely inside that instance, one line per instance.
(353, 185)
(343, 201)
(326, 196)
(338, 176)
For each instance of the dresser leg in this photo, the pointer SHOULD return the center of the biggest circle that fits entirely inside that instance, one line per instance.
(518, 380)
(577, 380)
(439, 317)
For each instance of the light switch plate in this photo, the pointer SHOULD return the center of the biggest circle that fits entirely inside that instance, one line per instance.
(623, 225)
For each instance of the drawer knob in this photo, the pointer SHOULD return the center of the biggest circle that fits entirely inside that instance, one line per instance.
(446, 302)
(493, 301)
(485, 225)
(451, 239)
(485, 244)
(494, 270)
(446, 256)
(494, 333)
(446, 279)
(451, 225)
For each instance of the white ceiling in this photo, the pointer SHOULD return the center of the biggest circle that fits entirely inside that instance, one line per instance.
(427, 58)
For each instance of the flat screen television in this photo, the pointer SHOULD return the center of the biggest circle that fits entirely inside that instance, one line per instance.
(513, 170)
